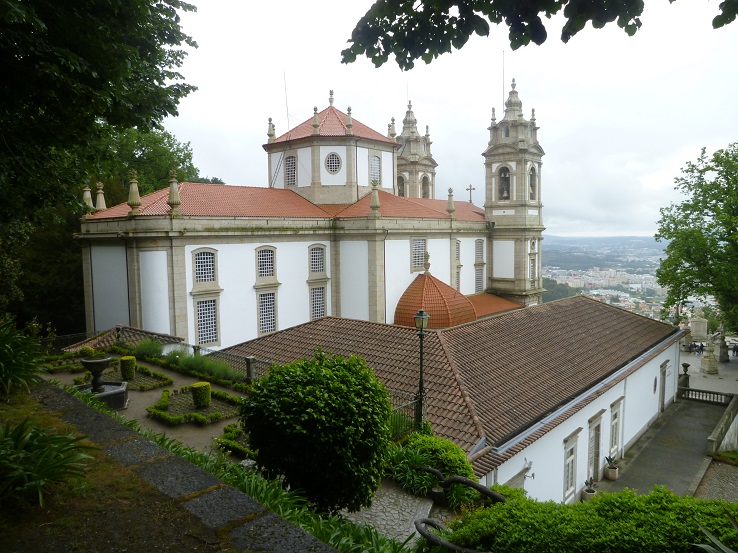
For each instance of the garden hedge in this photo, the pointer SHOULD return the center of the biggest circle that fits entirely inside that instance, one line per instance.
(128, 368)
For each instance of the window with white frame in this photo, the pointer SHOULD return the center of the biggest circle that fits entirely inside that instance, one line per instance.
(265, 262)
(570, 468)
(317, 303)
(478, 280)
(205, 266)
(207, 322)
(332, 163)
(290, 171)
(317, 259)
(375, 169)
(267, 312)
(479, 250)
(615, 429)
(417, 254)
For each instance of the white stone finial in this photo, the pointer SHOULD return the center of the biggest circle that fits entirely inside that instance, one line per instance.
(270, 131)
(494, 116)
(316, 123)
(100, 197)
(451, 207)
(349, 123)
(374, 202)
(533, 114)
(87, 197)
(134, 200)
(330, 98)
(513, 84)
(427, 262)
(174, 201)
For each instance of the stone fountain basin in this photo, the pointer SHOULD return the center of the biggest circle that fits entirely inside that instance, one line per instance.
(114, 394)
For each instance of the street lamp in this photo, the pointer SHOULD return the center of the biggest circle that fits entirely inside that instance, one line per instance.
(421, 323)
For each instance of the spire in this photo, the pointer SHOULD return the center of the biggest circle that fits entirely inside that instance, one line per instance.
(270, 131)
(513, 106)
(349, 123)
(174, 201)
(100, 199)
(374, 203)
(409, 123)
(134, 200)
(450, 208)
(391, 132)
(316, 123)
(87, 197)
(330, 98)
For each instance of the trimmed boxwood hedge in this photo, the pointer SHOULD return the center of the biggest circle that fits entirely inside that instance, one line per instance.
(201, 394)
(128, 368)
(159, 409)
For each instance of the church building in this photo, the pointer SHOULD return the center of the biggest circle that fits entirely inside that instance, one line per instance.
(347, 220)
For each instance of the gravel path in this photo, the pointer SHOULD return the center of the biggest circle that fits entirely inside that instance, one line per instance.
(720, 482)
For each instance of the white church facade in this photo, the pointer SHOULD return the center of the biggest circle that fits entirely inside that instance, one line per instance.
(342, 229)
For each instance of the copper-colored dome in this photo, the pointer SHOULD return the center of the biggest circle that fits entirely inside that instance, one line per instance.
(446, 306)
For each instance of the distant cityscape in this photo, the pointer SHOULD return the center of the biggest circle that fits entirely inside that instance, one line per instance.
(618, 270)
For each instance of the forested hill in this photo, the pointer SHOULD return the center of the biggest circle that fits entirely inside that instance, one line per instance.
(640, 253)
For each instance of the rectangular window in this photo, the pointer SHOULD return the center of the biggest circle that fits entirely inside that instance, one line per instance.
(205, 267)
(207, 322)
(458, 250)
(479, 249)
(418, 253)
(290, 171)
(317, 260)
(532, 268)
(267, 312)
(375, 170)
(457, 282)
(478, 280)
(317, 303)
(570, 469)
(265, 262)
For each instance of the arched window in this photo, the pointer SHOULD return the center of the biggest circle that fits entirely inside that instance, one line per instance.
(290, 171)
(532, 183)
(426, 188)
(401, 186)
(375, 170)
(506, 132)
(504, 186)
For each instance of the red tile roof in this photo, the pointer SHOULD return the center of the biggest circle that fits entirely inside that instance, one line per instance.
(392, 206)
(332, 123)
(446, 306)
(488, 304)
(220, 200)
(492, 378)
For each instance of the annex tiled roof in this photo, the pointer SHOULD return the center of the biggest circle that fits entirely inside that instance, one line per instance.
(445, 305)
(127, 334)
(332, 123)
(392, 206)
(486, 304)
(392, 353)
(220, 200)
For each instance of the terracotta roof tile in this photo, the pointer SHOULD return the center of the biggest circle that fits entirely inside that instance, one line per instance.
(446, 306)
(220, 200)
(486, 304)
(392, 206)
(332, 123)
(127, 334)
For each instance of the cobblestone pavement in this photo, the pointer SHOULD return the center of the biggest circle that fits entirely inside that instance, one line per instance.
(720, 482)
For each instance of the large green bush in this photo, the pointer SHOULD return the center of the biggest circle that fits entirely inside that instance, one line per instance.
(148, 348)
(19, 358)
(621, 522)
(323, 424)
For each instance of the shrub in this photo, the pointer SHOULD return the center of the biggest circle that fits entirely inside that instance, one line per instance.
(620, 522)
(31, 459)
(128, 367)
(148, 348)
(322, 424)
(173, 356)
(86, 352)
(201, 394)
(19, 356)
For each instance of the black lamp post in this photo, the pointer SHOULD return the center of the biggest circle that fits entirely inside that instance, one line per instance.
(421, 323)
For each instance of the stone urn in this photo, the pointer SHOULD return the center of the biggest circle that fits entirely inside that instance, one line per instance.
(96, 366)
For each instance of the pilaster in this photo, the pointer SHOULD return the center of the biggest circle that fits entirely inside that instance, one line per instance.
(377, 307)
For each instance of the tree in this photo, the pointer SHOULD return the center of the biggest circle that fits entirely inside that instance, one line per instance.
(68, 68)
(702, 253)
(322, 424)
(556, 290)
(425, 29)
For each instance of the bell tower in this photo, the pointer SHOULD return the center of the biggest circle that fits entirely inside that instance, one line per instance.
(416, 168)
(512, 164)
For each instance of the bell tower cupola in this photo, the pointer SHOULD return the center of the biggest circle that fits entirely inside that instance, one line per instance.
(416, 168)
(512, 165)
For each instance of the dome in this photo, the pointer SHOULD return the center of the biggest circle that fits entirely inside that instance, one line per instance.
(446, 306)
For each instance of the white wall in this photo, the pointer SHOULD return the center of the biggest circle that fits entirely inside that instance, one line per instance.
(362, 166)
(155, 291)
(638, 408)
(110, 286)
(304, 167)
(276, 179)
(503, 259)
(341, 176)
(388, 170)
(468, 258)
(354, 279)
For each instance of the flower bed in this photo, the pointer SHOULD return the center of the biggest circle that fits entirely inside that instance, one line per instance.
(178, 407)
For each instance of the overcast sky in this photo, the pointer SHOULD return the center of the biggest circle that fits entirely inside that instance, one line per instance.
(619, 116)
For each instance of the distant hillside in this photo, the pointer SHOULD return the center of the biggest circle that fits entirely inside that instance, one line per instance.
(636, 253)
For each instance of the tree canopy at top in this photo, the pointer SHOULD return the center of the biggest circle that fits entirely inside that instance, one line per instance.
(71, 70)
(425, 29)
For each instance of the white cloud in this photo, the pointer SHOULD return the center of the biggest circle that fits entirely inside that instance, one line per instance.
(618, 115)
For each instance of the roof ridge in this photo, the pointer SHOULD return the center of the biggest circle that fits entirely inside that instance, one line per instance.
(462, 385)
(421, 204)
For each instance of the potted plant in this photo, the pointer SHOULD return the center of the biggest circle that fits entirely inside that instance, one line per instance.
(589, 490)
(611, 470)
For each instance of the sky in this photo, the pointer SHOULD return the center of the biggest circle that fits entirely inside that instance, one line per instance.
(619, 116)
